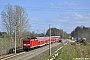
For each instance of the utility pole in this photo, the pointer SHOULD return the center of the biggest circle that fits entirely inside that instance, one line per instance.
(15, 39)
(50, 40)
(63, 33)
(37, 34)
(44, 32)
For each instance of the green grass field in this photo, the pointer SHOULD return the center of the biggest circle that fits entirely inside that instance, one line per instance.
(4, 46)
(69, 52)
(3, 41)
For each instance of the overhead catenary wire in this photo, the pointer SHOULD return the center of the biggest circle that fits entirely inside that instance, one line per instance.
(56, 9)
(36, 23)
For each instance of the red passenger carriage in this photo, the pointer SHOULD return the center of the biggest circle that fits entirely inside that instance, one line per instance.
(39, 41)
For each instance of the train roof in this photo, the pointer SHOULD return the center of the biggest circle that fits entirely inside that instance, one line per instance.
(30, 38)
(46, 37)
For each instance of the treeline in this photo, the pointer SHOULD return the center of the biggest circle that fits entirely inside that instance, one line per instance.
(54, 32)
(81, 32)
(3, 34)
(57, 32)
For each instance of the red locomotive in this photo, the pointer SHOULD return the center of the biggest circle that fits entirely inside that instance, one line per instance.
(30, 43)
(39, 41)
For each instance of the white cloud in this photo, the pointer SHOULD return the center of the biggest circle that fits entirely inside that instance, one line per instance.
(75, 18)
(62, 20)
(85, 17)
(60, 4)
(36, 19)
(66, 17)
(70, 4)
(82, 22)
(59, 27)
(78, 15)
(66, 3)
(51, 4)
(70, 22)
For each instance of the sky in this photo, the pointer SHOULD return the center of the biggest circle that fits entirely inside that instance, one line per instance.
(61, 14)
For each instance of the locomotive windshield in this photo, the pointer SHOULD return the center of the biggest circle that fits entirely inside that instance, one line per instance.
(26, 42)
(31, 38)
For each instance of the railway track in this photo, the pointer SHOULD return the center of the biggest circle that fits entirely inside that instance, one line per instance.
(28, 55)
(7, 57)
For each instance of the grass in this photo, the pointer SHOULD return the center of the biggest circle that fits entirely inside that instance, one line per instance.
(69, 52)
(45, 57)
(3, 42)
(73, 51)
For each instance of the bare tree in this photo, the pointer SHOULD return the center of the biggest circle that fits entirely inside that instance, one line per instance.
(21, 21)
(15, 16)
(7, 18)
